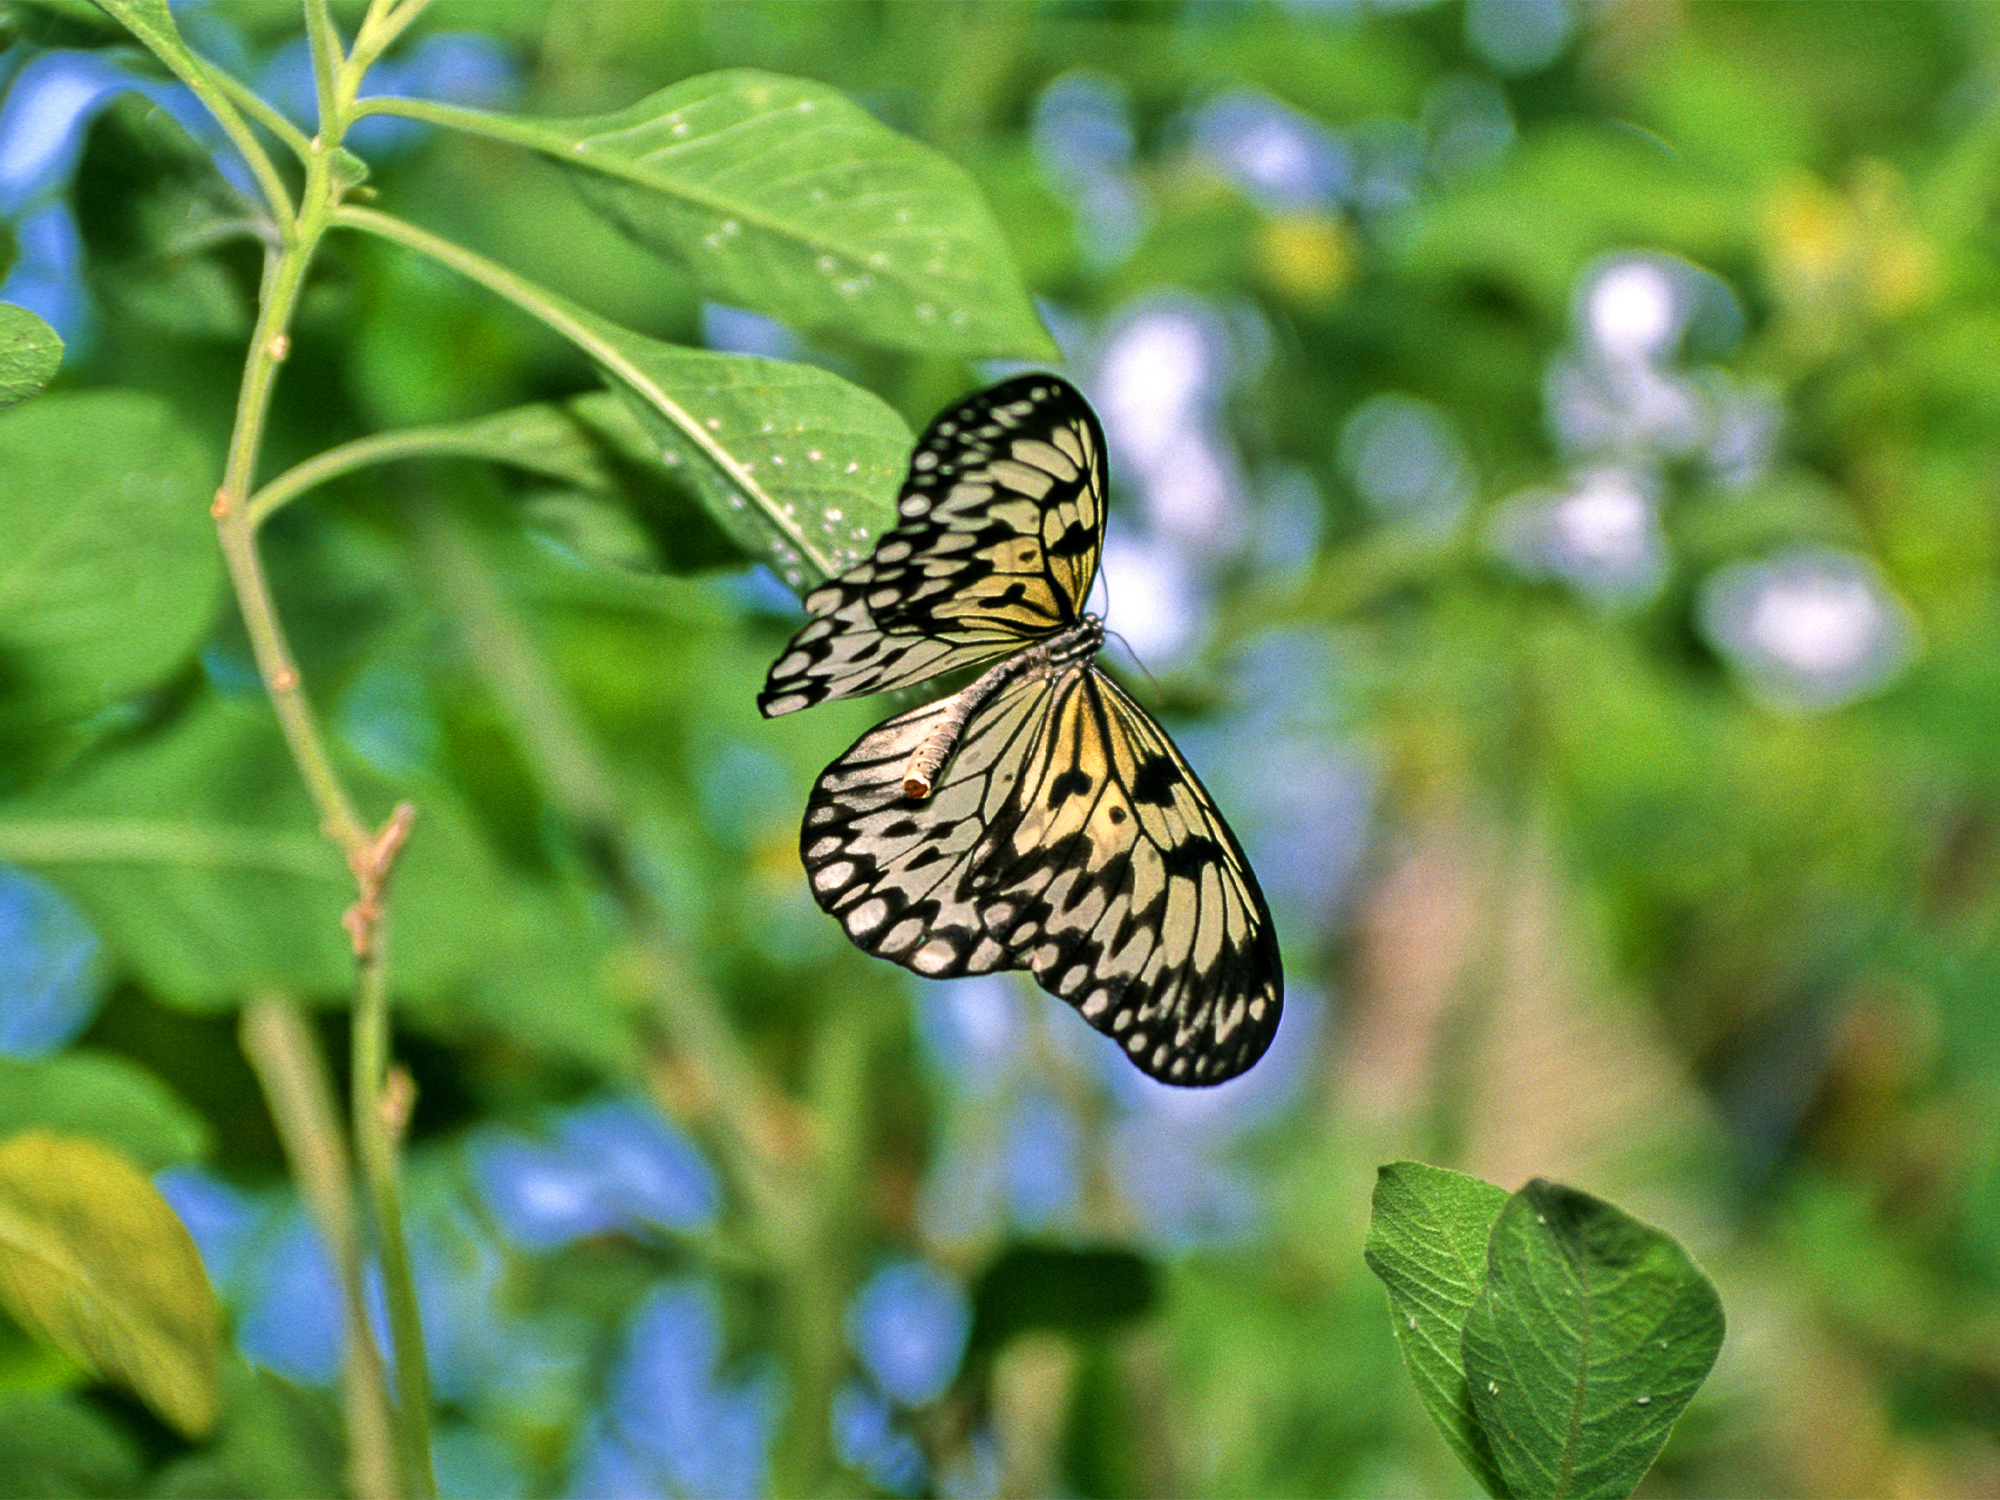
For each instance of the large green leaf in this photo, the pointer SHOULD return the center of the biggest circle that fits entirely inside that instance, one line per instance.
(53, 1447)
(799, 466)
(783, 195)
(1427, 1244)
(30, 354)
(274, 1438)
(1591, 1335)
(93, 1259)
(193, 851)
(112, 1101)
(110, 577)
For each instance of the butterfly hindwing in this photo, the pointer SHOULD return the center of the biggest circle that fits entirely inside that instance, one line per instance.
(1116, 882)
(892, 867)
(1001, 522)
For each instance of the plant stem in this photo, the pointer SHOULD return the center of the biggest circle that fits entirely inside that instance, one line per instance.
(818, 1255)
(283, 1054)
(369, 856)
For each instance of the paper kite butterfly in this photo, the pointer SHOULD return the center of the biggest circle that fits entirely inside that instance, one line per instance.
(1037, 818)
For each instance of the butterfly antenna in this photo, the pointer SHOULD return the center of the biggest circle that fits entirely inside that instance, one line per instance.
(1112, 635)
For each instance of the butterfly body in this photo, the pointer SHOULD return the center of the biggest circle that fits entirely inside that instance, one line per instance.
(1037, 818)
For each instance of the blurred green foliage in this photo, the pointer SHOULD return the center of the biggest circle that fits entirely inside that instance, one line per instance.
(1627, 910)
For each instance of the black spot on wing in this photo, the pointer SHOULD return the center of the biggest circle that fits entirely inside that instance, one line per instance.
(1190, 856)
(1077, 540)
(1155, 780)
(1071, 783)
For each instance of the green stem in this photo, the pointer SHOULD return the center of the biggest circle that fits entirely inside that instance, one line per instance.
(270, 342)
(208, 84)
(286, 1059)
(820, 1246)
(158, 841)
(385, 21)
(323, 35)
(273, 120)
(375, 1134)
(368, 857)
(361, 453)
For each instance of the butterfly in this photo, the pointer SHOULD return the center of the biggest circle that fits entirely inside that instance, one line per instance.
(1037, 818)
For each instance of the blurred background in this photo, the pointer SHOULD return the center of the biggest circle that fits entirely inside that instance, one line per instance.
(1555, 478)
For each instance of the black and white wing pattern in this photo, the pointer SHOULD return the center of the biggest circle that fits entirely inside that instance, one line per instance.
(1001, 523)
(1038, 818)
(1066, 837)
(1116, 883)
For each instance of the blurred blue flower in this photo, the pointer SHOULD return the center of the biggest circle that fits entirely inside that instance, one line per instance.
(42, 121)
(222, 1221)
(1083, 136)
(1279, 157)
(1044, 1153)
(459, 1270)
(606, 1468)
(1405, 460)
(51, 970)
(1173, 1153)
(649, 1168)
(1518, 36)
(288, 1312)
(1808, 628)
(866, 1437)
(908, 1324)
(45, 276)
(616, 1165)
(737, 330)
(972, 1027)
(542, 1197)
(669, 1409)
(456, 67)
(47, 111)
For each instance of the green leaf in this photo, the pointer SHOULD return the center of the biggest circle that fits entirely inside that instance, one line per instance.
(799, 466)
(112, 1101)
(783, 195)
(1591, 1335)
(193, 851)
(93, 1259)
(54, 1448)
(110, 578)
(30, 354)
(1427, 1244)
(152, 23)
(275, 1438)
(163, 230)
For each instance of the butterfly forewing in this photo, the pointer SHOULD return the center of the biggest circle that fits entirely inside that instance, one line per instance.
(1001, 521)
(1114, 879)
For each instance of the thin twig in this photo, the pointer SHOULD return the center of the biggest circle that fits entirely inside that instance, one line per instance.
(286, 1059)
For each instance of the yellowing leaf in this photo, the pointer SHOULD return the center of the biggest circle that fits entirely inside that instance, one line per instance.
(93, 1259)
